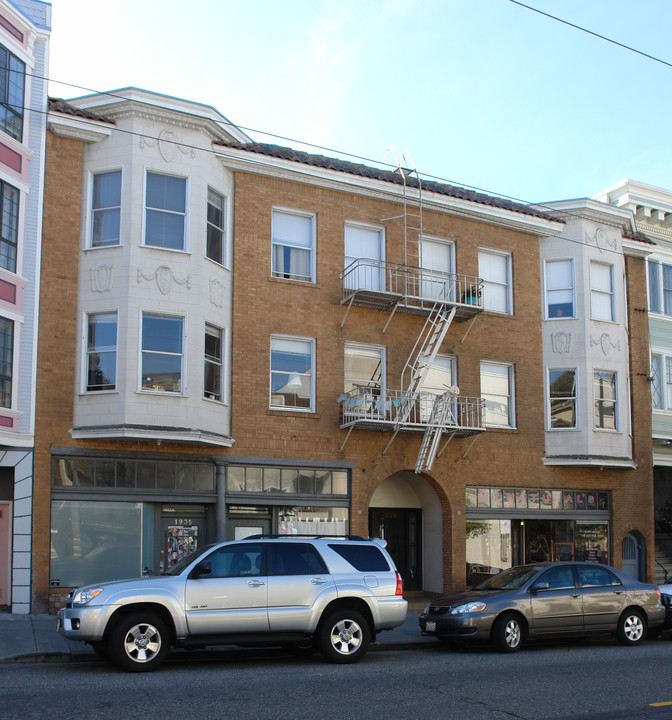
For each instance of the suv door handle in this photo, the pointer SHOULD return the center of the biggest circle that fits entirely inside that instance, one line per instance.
(256, 583)
(318, 581)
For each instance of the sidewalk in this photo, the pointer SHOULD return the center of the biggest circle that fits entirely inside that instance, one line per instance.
(33, 638)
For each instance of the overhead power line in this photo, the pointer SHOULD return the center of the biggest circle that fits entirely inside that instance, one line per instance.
(594, 34)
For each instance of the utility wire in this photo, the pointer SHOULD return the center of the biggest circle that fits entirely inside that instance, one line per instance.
(594, 34)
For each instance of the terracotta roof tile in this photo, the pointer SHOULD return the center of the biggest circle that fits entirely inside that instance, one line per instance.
(58, 105)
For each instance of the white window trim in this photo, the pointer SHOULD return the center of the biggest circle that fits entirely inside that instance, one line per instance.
(612, 293)
(367, 226)
(617, 402)
(664, 353)
(550, 261)
(187, 196)
(547, 399)
(660, 260)
(85, 354)
(313, 248)
(183, 374)
(512, 394)
(227, 230)
(509, 277)
(89, 208)
(285, 408)
(224, 385)
(383, 359)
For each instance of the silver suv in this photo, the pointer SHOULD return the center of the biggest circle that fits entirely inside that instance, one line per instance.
(305, 593)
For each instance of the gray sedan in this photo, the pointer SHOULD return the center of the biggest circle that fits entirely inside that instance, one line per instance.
(547, 600)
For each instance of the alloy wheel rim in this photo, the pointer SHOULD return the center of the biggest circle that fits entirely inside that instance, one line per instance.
(634, 628)
(512, 634)
(346, 637)
(142, 643)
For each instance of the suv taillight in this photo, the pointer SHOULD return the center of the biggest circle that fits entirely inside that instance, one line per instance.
(400, 588)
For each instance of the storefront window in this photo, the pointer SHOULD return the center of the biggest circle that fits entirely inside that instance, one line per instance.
(312, 520)
(488, 546)
(94, 541)
(292, 481)
(591, 542)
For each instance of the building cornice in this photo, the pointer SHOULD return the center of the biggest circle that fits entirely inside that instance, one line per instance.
(158, 434)
(279, 168)
(76, 128)
(590, 461)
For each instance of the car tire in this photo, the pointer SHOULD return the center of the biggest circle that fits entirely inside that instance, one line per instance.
(631, 628)
(139, 642)
(507, 633)
(344, 637)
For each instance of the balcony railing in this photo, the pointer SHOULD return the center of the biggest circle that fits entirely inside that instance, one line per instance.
(372, 408)
(383, 285)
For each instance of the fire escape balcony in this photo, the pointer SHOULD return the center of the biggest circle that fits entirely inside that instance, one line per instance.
(383, 410)
(389, 286)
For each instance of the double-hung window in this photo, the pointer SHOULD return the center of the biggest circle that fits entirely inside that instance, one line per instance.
(366, 245)
(212, 378)
(165, 211)
(216, 239)
(101, 352)
(661, 381)
(12, 84)
(9, 226)
(606, 400)
(106, 209)
(440, 379)
(293, 245)
(292, 377)
(559, 288)
(602, 291)
(6, 361)
(497, 392)
(364, 374)
(494, 268)
(162, 353)
(660, 287)
(562, 398)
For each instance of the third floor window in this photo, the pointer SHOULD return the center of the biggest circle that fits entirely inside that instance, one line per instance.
(9, 197)
(166, 211)
(293, 248)
(12, 81)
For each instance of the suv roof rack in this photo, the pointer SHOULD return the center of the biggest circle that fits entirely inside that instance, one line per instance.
(263, 536)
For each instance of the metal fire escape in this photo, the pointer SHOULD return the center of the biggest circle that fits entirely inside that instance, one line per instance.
(442, 298)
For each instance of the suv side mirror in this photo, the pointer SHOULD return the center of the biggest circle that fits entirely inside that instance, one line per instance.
(202, 569)
(540, 585)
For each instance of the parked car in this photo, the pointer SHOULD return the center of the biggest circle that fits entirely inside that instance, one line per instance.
(328, 593)
(547, 599)
(666, 596)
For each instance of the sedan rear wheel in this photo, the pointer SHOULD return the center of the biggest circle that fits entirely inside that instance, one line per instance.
(507, 633)
(631, 628)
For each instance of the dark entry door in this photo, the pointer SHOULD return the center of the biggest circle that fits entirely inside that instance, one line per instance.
(402, 529)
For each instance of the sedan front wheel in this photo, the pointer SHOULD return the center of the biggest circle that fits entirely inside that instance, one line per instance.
(507, 633)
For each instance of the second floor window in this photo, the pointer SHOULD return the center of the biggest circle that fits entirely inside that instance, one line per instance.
(215, 243)
(6, 361)
(661, 381)
(212, 383)
(106, 209)
(494, 268)
(604, 383)
(293, 245)
(497, 391)
(162, 354)
(101, 352)
(292, 362)
(562, 398)
(166, 211)
(12, 82)
(559, 288)
(9, 226)
(602, 291)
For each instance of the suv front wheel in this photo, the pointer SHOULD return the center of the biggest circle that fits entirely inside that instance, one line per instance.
(344, 637)
(139, 642)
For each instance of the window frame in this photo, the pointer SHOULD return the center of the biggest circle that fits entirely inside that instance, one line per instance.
(599, 292)
(658, 295)
(12, 360)
(221, 364)
(547, 289)
(14, 227)
(184, 215)
(183, 355)
(661, 380)
(575, 398)
(373, 278)
(312, 249)
(605, 401)
(292, 408)
(508, 285)
(11, 109)
(93, 211)
(511, 395)
(88, 352)
(223, 240)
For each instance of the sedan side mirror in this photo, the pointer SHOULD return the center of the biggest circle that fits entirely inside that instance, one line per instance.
(202, 569)
(539, 586)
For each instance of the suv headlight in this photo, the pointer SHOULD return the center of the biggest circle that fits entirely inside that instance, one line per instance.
(81, 597)
(470, 607)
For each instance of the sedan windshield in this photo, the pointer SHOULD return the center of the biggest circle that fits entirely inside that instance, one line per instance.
(187, 560)
(510, 579)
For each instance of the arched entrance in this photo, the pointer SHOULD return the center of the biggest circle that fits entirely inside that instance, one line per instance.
(405, 511)
(632, 555)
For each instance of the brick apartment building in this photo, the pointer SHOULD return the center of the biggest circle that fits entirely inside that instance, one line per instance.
(250, 338)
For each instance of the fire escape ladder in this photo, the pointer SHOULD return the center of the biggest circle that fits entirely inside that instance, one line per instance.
(442, 410)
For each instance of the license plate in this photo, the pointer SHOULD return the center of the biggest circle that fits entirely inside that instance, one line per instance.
(430, 626)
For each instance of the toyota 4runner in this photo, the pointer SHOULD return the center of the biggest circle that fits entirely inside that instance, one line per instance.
(305, 593)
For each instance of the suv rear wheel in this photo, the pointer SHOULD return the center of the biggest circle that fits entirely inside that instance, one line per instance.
(139, 642)
(344, 637)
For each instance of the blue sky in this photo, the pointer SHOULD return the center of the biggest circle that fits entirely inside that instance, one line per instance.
(482, 93)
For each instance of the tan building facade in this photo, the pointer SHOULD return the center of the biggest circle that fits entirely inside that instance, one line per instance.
(323, 347)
